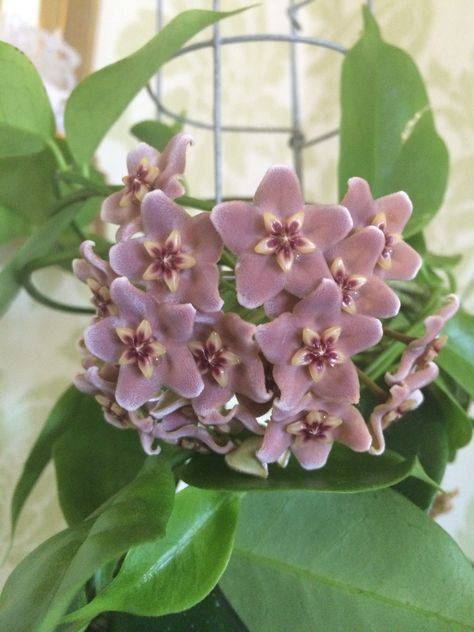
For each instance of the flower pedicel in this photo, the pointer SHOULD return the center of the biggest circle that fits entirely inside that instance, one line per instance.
(165, 356)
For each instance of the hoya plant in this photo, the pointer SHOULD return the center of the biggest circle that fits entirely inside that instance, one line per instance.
(269, 388)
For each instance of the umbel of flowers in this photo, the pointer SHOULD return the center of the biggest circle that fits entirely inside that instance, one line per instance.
(163, 355)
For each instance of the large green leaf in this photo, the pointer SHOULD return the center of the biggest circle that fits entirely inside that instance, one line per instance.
(387, 132)
(41, 588)
(15, 141)
(345, 471)
(107, 92)
(457, 358)
(213, 613)
(68, 410)
(93, 461)
(458, 424)
(40, 243)
(27, 185)
(181, 568)
(23, 99)
(346, 562)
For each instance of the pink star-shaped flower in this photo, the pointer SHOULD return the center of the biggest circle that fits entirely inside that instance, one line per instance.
(227, 356)
(278, 240)
(149, 343)
(148, 169)
(310, 429)
(389, 214)
(98, 275)
(177, 257)
(311, 347)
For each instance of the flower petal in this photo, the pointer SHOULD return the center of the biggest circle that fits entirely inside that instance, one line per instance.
(279, 192)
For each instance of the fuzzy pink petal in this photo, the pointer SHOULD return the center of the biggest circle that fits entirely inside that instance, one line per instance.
(311, 454)
(161, 215)
(339, 383)
(377, 299)
(326, 225)
(239, 224)
(279, 339)
(101, 340)
(353, 432)
(203, 288)
(173, 159)
(324, 304)
(294, 383)
(112, 212)
(134, 305)
(397, 208)
(130, 259)
(258, 279)
(359, 333)
(359, 252)
(131, 226)
(306, 273)
(203, 239)
(182, 375)
(275, 441)
(405, 263)
(212, 396)
(282, 302)
(279, 192)
(175, 321)
(133, 389)
(140, 152)
(359, 202)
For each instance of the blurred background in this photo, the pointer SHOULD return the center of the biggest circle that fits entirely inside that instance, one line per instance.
(69, 39)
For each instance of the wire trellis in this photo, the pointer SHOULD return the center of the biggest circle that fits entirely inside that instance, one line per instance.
(297, 139)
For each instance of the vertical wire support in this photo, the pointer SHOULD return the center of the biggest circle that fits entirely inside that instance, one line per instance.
(217, 118)
(297, 137)
(159, 26)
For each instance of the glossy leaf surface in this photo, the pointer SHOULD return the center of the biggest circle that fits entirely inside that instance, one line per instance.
(346, 562)
(23, 99)
(345, 471)
(108, 91)
(181, 568)
(69, 407)
(387, 132)
(41, 588)
(93, 461)
(457, 358)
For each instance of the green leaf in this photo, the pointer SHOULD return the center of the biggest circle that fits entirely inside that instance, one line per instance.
(422, 433)
(345, 471)
(182, 568)
(27, 185)
(93, 461)
(12, 225)
(68, 409)
(155, 133)
(40, 243)
(346, 562)
(212, 613)
(40, 589)
(15, 141)
(23, 99)
(457, 358)
(458, 424)
(387, 132)
(108, 91)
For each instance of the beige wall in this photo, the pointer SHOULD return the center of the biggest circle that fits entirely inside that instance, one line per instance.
(436, 32)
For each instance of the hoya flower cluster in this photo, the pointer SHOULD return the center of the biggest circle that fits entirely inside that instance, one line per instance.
(163, 357)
